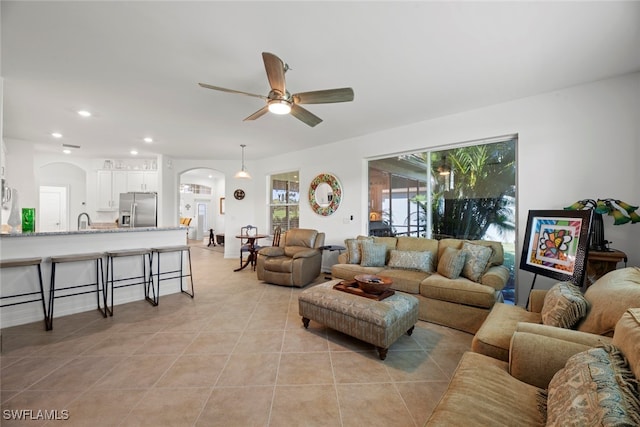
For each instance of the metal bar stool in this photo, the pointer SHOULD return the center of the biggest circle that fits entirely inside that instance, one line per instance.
(145, 279)
(26, 262)
(61, 259)
(181, 273)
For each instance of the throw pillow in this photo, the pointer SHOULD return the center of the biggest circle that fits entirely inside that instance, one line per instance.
(476, 260)
(451, 263)
(411, 260)
(353, 251)
(564, 305)
(595, 388)
(373, 254)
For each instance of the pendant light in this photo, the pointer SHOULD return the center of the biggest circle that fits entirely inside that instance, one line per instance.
(242, 173)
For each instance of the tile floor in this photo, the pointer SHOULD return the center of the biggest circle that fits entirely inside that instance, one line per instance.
(236, 355)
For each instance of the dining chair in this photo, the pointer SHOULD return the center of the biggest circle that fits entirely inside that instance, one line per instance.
(247, 245)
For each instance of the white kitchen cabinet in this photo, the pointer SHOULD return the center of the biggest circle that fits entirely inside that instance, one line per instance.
(142, 181)
(110, 185)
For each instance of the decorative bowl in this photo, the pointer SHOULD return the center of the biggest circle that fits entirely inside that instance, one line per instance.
(372, 284)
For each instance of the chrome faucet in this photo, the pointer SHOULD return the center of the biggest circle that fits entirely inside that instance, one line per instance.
(88, 220)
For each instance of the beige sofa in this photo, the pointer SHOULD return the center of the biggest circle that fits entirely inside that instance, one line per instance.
(607, 300)
(458, 302)
(296, 261)
(554, 377)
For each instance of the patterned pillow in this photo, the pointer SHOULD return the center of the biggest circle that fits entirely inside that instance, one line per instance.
(595, 388)
(564, 305)
(353, 251)
(373, 254)
(476, 260)
(411, 260)
(451, 263)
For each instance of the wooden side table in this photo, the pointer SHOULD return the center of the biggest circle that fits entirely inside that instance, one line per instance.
(600, 263)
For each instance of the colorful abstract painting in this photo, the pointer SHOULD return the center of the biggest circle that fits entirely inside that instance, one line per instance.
(556, 244)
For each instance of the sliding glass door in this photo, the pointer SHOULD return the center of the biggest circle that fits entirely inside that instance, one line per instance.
(465, 192)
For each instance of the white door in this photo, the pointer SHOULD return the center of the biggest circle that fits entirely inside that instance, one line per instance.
(53, 209)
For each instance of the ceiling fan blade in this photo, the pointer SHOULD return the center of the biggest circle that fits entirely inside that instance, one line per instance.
(305, 115)
(222, 89)
(275, 72)
(328, 96)
(261, 112)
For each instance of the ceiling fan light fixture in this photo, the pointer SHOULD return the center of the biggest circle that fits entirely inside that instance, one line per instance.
(279, 106)
(242, 173)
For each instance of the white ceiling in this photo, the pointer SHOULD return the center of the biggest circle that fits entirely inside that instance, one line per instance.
(136, 66)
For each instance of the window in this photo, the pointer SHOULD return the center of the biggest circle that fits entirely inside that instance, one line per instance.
(285, 200)
(465, 192)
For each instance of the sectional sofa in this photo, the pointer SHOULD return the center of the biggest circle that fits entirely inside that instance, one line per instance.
(456, 281)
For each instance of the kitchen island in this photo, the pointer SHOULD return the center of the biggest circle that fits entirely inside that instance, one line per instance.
(47, 244)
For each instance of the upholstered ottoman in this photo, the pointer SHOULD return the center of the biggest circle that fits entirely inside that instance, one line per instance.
(379, 323)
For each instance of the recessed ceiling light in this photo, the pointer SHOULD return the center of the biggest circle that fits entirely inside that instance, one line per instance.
(134, 152)
(56, 134)
(148, 140)
(66, 151)
(84, 113)
(210, 176)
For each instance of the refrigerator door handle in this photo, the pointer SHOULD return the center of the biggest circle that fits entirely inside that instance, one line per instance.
(133, 215)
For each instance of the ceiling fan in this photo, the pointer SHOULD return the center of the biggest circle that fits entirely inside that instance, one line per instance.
(280, 101)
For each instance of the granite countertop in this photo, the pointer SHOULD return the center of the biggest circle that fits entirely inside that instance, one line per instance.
(91, 231)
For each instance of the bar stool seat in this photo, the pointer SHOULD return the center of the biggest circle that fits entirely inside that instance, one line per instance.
(145, 253)
(26, 262)
(61, 259)
(181, 273)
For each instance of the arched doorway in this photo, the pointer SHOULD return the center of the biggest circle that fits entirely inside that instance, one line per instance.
(201, 193)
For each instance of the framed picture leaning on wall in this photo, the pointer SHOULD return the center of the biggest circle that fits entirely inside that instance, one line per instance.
(556, 244)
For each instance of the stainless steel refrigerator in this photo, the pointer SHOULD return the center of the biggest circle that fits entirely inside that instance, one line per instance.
(138, 210)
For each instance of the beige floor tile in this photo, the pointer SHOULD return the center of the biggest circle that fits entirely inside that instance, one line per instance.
(213, 342)
(412, 366)
(29, 370)
(55, 402)
(306, 405)
(343, 342)
(78, 374)
(168, 407)
(366, 367)
(422, 397)
(119, 344)
(166, 343)
(194, 370)
(372, 405)
(305, 368)
(136, 372)
(305, 340)
(237, 406)
(260, 342)
(250, 369)
(101, 408)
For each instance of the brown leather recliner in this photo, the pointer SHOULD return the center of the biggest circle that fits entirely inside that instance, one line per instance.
(297, 261)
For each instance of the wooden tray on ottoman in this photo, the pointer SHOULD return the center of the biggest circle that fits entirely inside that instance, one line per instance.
(351, 287)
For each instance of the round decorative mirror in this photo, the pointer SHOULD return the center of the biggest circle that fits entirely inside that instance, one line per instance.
(325, 194)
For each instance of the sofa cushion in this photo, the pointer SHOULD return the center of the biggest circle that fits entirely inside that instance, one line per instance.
(353, 251)
(451, 262)
(459, 291)
(349, 271)
(301, 237)
(483, 393)
(609, 297)
(373, 254)
(564, 305)
(475, 261)
(279, 264)
(595, 388)
(406, 243)
(410, 260)
(627, 338)
(405, 280)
